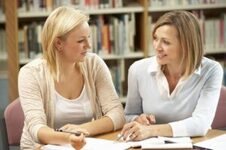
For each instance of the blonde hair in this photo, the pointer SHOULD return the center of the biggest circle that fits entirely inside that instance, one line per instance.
(189, 35)
(59, 23)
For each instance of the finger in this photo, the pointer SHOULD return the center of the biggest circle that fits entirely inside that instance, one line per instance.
(143, 119)
(129, 134)
(151, 119)
(126, 127)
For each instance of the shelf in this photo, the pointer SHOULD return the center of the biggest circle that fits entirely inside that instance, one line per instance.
(131, 9)
(134, 9)
(3, 74)
(215, 50)
(191, 7)
(122, 100)
(105, 57)
(2, 19)
(3, 57)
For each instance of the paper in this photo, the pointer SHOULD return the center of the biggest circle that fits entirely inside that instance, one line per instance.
(101, 144)
(217, 143)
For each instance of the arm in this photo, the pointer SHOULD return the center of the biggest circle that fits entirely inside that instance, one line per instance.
(137, 131)
(202, 117)
(134, 102)
(107, 97)
(49, 136)
(35, 117)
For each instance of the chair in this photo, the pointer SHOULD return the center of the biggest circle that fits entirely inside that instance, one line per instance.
(219, 121)
(14, 122)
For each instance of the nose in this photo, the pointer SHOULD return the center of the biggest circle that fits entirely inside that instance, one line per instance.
(157, 45)
(88, 44)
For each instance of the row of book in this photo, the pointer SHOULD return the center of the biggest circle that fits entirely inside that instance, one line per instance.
(113, 34)
(167, 3)
(214, 32)
(3, 52)
(48, 5)
(109, 35)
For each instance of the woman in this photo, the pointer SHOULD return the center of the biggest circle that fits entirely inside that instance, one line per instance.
(69, 88)
(174, 93)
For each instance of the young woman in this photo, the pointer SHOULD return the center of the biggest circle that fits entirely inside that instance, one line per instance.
(69, 88)
(176, 92)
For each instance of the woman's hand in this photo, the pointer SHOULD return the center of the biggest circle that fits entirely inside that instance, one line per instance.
(77, 141)
(146, 119)
(74, 128)
(135, 131)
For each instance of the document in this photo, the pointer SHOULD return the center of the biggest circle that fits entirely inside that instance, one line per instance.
(217, 143)
(151, 143)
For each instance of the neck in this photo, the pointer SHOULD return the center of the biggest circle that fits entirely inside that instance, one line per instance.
(174, 72)
(66, 70)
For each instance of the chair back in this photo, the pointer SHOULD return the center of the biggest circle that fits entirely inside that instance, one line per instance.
(219, 121)
(14, 121)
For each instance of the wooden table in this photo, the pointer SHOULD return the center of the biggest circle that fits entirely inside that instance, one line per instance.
(210, 134)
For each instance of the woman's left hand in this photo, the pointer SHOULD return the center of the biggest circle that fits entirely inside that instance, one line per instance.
(135, 131)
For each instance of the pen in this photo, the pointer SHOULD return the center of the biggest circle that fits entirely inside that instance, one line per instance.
(77, 133)
(168, 142)
(134, 147)
(119, 137)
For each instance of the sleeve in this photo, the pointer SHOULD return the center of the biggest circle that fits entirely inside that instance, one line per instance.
(203, 115)
(134, 102)
(31, 101)
(107, 96)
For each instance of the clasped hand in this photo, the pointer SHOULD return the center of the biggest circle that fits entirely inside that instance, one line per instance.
(138, 129)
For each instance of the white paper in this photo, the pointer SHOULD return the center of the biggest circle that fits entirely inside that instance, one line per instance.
(101, 144)
(217, 143)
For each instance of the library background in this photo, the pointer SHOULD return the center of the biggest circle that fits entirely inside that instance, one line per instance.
(121, 34)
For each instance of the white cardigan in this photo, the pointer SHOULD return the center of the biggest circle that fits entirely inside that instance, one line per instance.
(36, 91)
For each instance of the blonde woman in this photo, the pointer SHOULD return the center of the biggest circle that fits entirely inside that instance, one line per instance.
(69, 88)
(176, 92)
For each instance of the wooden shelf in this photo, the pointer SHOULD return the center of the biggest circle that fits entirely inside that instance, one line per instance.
(134, 9)
(191, 7)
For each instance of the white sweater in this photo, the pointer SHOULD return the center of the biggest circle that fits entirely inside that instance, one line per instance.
(36, 91)
(189, 109)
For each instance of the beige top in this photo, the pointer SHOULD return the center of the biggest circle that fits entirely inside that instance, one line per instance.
(36, 91)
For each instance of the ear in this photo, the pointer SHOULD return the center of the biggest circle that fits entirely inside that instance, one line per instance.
(58, 44)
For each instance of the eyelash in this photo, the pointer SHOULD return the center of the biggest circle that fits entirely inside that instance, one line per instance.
(80, 41)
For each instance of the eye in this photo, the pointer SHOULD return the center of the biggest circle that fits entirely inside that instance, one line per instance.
(166, 42)
(80, 41)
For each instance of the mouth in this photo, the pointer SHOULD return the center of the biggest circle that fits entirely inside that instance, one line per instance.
(160, 56)
(84, 53)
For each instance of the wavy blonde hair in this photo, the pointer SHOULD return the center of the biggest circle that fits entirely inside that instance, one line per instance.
(59, 23)
(189, 35)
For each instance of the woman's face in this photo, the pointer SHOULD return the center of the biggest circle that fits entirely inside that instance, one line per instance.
(76, 44)
(167, 46)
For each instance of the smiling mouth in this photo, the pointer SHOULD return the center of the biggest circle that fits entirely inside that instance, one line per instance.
(161, 56)
(84, 53)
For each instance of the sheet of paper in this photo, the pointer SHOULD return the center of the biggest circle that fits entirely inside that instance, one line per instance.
(217, 143)
(101, 144)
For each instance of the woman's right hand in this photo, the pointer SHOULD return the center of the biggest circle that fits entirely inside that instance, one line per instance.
(77, 142)
(145, 119)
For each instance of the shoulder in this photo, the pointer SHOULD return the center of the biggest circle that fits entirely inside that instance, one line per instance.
(143, 64)
(92, 60)
(36, 65)
(211, 65)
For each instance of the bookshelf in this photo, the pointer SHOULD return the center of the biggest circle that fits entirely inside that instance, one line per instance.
(144, 12)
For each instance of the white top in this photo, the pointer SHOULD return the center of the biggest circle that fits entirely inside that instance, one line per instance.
(189, 109)
(76, 111)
